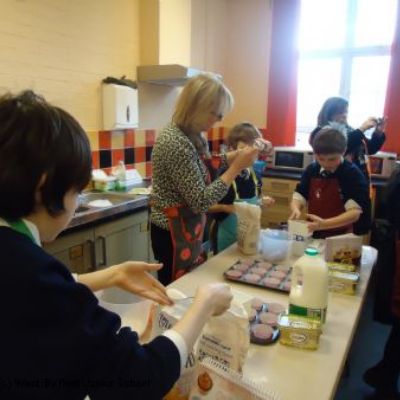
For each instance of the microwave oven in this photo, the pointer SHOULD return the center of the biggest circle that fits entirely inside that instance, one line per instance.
(382, 164)
(286, 157)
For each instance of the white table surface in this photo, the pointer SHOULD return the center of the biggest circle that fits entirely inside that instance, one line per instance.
(292, 373)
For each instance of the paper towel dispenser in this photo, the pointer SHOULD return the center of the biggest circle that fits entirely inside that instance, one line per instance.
(120, 107)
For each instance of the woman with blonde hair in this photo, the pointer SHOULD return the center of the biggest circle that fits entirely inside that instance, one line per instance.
(182, 188)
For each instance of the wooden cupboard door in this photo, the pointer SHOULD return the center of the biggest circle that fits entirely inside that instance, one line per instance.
(123, 240)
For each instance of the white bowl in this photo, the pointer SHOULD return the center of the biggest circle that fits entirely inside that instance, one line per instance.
(134, 311)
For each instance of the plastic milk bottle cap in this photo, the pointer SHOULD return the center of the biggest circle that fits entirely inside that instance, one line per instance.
(310, 251)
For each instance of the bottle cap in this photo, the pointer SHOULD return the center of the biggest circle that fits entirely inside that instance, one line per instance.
(310, 251)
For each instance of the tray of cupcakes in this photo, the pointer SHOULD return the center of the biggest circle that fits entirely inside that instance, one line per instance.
(259, 272)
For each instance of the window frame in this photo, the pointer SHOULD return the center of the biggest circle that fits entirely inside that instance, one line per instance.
(346, 54)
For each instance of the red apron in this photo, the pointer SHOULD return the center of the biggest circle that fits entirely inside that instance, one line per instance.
(187, 230)
(325, 201)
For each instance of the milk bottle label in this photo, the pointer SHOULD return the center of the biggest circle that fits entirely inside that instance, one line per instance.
(318, 314)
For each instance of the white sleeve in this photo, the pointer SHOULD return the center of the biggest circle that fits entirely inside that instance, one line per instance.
(351, 204)
(300, 198)
(180, 344)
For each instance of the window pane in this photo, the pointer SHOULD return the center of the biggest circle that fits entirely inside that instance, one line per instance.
(368, 88)
(375, 22)
(322, 24)
(317, 80)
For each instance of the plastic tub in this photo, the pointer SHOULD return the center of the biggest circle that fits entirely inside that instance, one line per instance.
(275, 244)
(134, 311)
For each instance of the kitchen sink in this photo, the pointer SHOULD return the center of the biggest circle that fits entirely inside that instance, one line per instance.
(87, 199)
(94, 201)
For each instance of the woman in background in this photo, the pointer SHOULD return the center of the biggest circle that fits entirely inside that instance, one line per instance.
(182, 188)
(335, 109)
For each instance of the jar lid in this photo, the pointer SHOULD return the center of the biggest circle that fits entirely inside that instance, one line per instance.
(311, 251)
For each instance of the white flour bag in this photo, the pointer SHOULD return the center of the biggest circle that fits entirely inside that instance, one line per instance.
(248, 231)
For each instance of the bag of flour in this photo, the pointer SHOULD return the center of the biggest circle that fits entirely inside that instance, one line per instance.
(166, 318)
(248, 231)
(226, 338)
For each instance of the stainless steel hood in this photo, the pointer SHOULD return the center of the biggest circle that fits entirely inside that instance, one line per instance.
(166, 74)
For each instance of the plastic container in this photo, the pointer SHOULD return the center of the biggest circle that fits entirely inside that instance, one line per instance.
(134, 311)
(301, 237)
(309, 290)
(275, 244)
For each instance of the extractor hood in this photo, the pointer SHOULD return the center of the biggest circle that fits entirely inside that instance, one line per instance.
(166, 74)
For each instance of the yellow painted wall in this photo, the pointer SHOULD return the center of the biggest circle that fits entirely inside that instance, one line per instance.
(175, 31)
(64, 48)
(232, 37)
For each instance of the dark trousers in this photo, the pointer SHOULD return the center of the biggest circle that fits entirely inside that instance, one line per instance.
(161, 244)
(391, 356)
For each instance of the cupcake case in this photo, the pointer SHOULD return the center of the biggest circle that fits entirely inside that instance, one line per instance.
(261, 273)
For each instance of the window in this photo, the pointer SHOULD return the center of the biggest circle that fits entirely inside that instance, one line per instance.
(344, 49)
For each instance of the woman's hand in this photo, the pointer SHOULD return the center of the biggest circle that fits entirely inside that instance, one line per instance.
(134, 277)
(369, 123)
(245, 157)
(380, 124)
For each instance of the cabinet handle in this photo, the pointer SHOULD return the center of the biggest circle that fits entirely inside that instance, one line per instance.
(93, 263)
(103, 262)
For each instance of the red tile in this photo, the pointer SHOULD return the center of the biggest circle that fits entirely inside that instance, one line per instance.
(149, 169)
(140, 154)
(129, 138)
(95, 159)
(130, 166)
(104, 140)
(117, 156)
(150, 137)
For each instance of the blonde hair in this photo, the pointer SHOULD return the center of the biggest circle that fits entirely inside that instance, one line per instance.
(203, 94)
(243, 132)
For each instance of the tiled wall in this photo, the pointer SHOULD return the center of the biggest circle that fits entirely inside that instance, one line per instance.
(134, 147)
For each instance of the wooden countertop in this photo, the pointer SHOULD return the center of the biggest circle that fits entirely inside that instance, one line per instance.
(293, 373)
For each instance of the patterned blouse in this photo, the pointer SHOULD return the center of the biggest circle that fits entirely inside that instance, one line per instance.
(179, 177)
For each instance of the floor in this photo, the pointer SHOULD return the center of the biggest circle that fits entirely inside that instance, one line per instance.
(366, 350)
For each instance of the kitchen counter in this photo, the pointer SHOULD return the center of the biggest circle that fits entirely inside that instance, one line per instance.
(293, 373)
(97, 215)
(296, 175)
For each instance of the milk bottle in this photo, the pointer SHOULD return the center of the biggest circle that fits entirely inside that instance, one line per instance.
(309, 290)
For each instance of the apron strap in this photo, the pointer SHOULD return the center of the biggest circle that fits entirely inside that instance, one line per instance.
(254, 177)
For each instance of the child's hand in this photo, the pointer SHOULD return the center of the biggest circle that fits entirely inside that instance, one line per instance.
(216, 297)
(264, 146)
(296, 213)
(316, 223)
(267, 201)
(133, 276)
